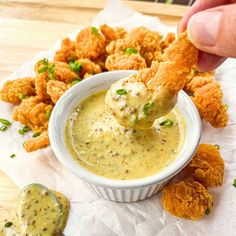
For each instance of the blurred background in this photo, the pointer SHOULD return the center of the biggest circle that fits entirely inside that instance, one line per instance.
(180, 2)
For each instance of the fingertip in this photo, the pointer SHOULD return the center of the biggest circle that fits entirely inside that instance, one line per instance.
(208, 62)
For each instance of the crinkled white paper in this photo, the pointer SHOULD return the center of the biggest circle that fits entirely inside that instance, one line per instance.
(93, 216)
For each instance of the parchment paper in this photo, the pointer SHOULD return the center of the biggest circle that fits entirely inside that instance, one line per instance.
(93, 216)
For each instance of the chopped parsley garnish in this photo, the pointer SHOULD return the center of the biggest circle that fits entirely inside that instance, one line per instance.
(75, 81)
(234, 183)
(167, 123)
(208, 211)
(36, 134)
(121, 91)
(5, 122)
(131, 51)
(22, 96)
(13, 155)
(48, 112)
(75, 66)
(3, 127)
(95, 30)
(146, 108)
(217, 146)
(8, 224)
(51, 71)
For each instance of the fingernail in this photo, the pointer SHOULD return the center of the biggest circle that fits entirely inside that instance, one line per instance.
(203, 27)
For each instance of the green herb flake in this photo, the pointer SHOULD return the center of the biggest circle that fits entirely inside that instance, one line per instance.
(3, 127)
(22, 96)
(8, 224)
(43, 69)
(121, 92)
(131, 51)
(44, 61)
(36, 134)
(94, 30)
(208, 211)
(5, 122)
(195, 71)
(167, 123)
(48, 112)
(234, 183)
(75, 81)
(75, 66)
(217, 146)
(21, 132)
(227, 107)
(13, 155)
(51, 71)
(26, 129)
(146, 108)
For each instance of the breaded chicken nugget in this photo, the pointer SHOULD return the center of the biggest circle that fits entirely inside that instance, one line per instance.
(186, 199)
(111, 34)
(207, 166)
(67, 52)
(170, 37)
(33, 144)
(208, 100)
(55, 89)
(89, 67)
(15, 90)
(34, 113)
(121, 61)
(89, 43)
(178, 60)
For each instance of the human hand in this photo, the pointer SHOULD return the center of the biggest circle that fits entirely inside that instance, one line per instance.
(211, 27)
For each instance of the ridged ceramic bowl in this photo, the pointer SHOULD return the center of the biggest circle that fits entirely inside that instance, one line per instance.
(119, 190)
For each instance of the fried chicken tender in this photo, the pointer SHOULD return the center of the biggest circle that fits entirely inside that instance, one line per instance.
(144, 75)
(15, 90)
(67, 51)
(89, 43)
(55, 89)
(33, 144)
(89, 67)
(208, 100)
(170, 37)
(121, 61)
(34, 113)
(207, 166)
(178, 60)
(111, 34)
(186, 199)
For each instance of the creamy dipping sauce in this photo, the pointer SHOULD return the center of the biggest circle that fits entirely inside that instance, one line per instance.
(101, 145)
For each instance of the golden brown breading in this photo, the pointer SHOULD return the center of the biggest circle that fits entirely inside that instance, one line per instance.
(145, 41)
(89, 43)
(55, 89)
(41, 85)
(33, 144)
(207, 166)
(170, 37)
(186, 199)
(111, 34)
(67, 51)
(89, 67)
(178, 60)
(196, 83)
(208, 100)
(14, 91)
(121, 61)
(34, 113)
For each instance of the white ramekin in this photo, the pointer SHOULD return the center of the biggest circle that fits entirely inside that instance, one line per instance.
(119, 190)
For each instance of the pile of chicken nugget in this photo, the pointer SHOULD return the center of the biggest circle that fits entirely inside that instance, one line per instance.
(105, 49)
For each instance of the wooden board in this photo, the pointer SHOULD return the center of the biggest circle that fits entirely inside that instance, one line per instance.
(29, 26)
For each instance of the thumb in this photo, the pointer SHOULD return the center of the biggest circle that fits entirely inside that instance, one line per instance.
(214, 31)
